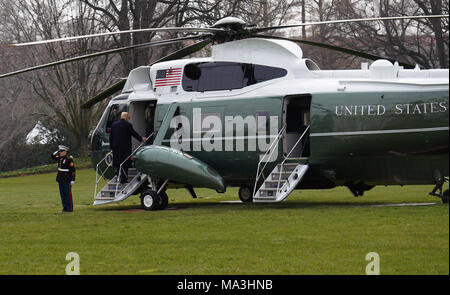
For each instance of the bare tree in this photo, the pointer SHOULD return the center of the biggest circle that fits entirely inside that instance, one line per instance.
(132, 14)
(424, 42)
(64, 88)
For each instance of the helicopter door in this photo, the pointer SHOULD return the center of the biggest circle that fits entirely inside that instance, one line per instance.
(297, 119)
(142, 116)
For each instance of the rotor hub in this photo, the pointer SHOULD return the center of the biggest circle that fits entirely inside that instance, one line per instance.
(235, 29)
(229, 22)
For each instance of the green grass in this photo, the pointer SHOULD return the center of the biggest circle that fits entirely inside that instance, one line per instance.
(312, 232)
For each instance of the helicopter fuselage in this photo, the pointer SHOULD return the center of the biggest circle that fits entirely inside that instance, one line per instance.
(380, 125)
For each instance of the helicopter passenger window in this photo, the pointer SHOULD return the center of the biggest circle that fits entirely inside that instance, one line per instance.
(213, 76)
(220, 76)
(264, 73)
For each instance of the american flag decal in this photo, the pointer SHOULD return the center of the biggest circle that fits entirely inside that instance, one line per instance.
(169, 77)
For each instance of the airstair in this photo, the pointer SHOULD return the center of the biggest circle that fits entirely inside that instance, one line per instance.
(284, 178)
(114, 191)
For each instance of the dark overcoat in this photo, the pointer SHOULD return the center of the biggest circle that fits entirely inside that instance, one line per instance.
(120, 141)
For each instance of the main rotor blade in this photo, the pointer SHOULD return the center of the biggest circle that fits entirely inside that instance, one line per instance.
(111, 51)
(104, 94)
(170, 29)
(263, 29)
(119, 85)
(338, 49)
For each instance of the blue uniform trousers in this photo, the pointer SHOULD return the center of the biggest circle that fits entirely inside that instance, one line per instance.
(65, 190)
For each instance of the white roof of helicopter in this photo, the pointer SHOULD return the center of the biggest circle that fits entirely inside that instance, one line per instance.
(382, 74)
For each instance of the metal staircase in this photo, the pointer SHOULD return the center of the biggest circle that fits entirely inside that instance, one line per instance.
(280, 183)
(284, 177)
(115, 191)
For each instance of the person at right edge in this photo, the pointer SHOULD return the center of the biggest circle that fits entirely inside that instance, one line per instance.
(65, 176)
(120, 143)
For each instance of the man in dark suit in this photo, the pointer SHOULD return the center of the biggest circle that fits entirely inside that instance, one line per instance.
(120, 143)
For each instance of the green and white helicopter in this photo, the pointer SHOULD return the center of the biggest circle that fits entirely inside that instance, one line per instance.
(258, 115)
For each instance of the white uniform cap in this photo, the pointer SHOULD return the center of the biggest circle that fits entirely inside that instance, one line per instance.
(62, 148)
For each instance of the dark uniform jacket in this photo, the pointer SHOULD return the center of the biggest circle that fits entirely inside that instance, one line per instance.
(66, 168)
(120, 141)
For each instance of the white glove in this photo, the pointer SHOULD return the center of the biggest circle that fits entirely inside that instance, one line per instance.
(72, 182)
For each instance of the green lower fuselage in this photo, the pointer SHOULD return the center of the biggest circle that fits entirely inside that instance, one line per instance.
(372, 138)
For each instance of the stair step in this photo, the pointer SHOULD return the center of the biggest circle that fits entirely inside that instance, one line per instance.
(288, 167)
(300, 160)
(265, 198)
(267, 193)
(277, 175)
(263, 194)
(274, 183)
(270, 189)
(106, 196)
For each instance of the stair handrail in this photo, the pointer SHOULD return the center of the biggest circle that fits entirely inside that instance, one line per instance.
(121, 169)
(287, 157)
(259, 170)
(97, 177)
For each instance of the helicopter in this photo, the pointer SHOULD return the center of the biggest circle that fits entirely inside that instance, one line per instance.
(260, 116)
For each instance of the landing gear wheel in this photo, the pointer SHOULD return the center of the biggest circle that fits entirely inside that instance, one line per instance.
(150, 200)
(245, 194)
(445, 197)
(164, 201)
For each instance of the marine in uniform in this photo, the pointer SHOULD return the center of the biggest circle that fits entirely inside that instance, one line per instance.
(65, 176)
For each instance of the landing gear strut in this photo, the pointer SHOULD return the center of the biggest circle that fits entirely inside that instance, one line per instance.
(438, 187)
(155, 200)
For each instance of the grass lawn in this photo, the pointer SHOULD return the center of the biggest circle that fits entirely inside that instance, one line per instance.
(312, 232)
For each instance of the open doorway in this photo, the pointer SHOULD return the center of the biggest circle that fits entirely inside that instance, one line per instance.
(142, 116)
(297, 111)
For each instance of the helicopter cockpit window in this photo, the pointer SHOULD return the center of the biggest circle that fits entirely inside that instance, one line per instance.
(213, 76)
(114, 114)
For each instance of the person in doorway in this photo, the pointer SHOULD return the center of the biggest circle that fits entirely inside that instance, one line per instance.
(115, 113)
(113, 116)
(120, 143)
(65, 176)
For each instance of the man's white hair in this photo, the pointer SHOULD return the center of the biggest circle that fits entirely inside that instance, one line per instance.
(124, 115)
